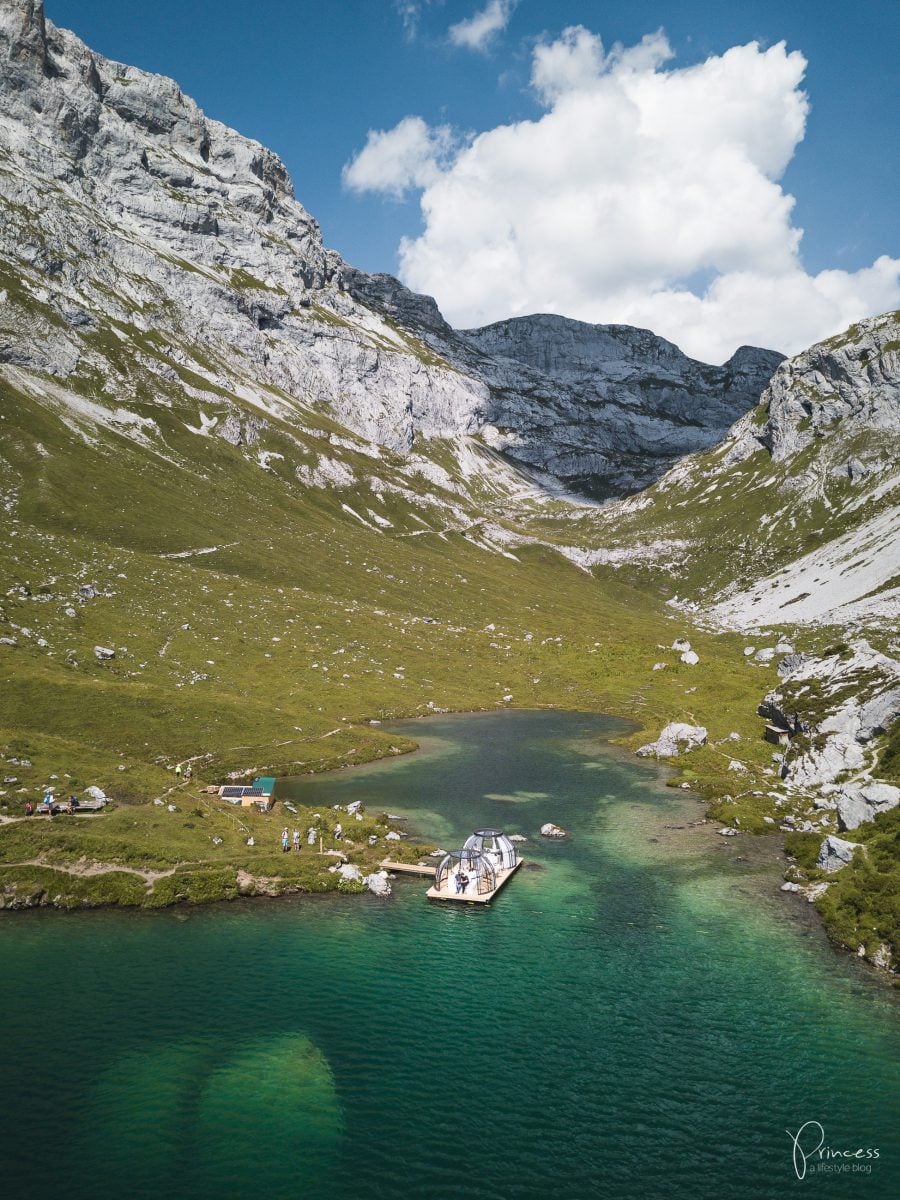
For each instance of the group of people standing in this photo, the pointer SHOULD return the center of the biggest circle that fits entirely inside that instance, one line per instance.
(286, 841)
(461, 879)
(311, 834)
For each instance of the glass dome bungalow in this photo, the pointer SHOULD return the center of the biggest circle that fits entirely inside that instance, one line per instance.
(496, 845)
(476, 872)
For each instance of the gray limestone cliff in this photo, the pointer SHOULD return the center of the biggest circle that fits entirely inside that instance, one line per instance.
(609, 402)
(137, 231)
(845, 390)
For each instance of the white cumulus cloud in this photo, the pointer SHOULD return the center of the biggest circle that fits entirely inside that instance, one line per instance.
(644, 194)
(477, 31)
(392, 161)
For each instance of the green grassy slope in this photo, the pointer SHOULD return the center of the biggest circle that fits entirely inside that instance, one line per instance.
(287, 626)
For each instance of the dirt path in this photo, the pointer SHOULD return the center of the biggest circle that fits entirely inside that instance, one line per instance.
(85, 869)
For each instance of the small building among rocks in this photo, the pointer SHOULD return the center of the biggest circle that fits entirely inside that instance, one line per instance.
(260, 793)
(776, 735)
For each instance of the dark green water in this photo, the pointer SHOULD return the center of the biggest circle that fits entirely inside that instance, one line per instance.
(631, 1018)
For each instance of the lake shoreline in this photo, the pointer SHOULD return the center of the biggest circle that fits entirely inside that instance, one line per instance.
(265, 887)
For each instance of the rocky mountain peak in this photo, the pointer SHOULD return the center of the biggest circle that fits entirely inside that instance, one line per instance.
(127, 210)
(845, 389)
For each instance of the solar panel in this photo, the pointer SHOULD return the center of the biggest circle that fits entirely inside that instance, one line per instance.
(232, 792)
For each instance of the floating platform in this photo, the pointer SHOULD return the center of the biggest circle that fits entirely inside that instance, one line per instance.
(472, 897)
(408, 868)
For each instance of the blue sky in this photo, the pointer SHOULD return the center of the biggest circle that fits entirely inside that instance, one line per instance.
(310, 80)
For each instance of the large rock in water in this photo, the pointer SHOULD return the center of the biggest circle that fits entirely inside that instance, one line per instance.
(675, 735)
(857, 804)
(378, 883)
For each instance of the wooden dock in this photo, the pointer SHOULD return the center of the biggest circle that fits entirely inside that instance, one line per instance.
(408, 868)
(503, 878)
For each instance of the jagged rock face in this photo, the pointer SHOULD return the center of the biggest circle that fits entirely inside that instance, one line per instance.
(849, 384)
(123, 203)
(126, 211)
(604, 407)
(583, 400)
(859, 701)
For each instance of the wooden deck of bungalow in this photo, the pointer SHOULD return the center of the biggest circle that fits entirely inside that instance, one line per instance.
(503, 877)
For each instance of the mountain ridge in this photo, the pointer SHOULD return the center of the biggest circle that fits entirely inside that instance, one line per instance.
(180, 216)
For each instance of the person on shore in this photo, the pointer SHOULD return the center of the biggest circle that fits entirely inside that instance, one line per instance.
(28, 809)
(311, 836)
(178, 770)
(338, 832)
(284, 841)
(188, 772)
(296, 839)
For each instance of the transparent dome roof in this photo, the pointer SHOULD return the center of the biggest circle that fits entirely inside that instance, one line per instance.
(495, 845)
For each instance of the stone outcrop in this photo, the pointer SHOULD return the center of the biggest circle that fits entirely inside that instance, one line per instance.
(858, 701)
(835, 853)
(676, 736)
(851, 380)
(858, 803)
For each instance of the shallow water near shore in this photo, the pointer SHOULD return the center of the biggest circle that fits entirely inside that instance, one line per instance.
(640, 1013)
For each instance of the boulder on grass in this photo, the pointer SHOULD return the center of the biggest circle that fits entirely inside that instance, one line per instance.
(857, 804)
(835, 853)
(675, 734)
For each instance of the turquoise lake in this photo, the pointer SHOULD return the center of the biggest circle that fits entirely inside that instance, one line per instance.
(640, 1013)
